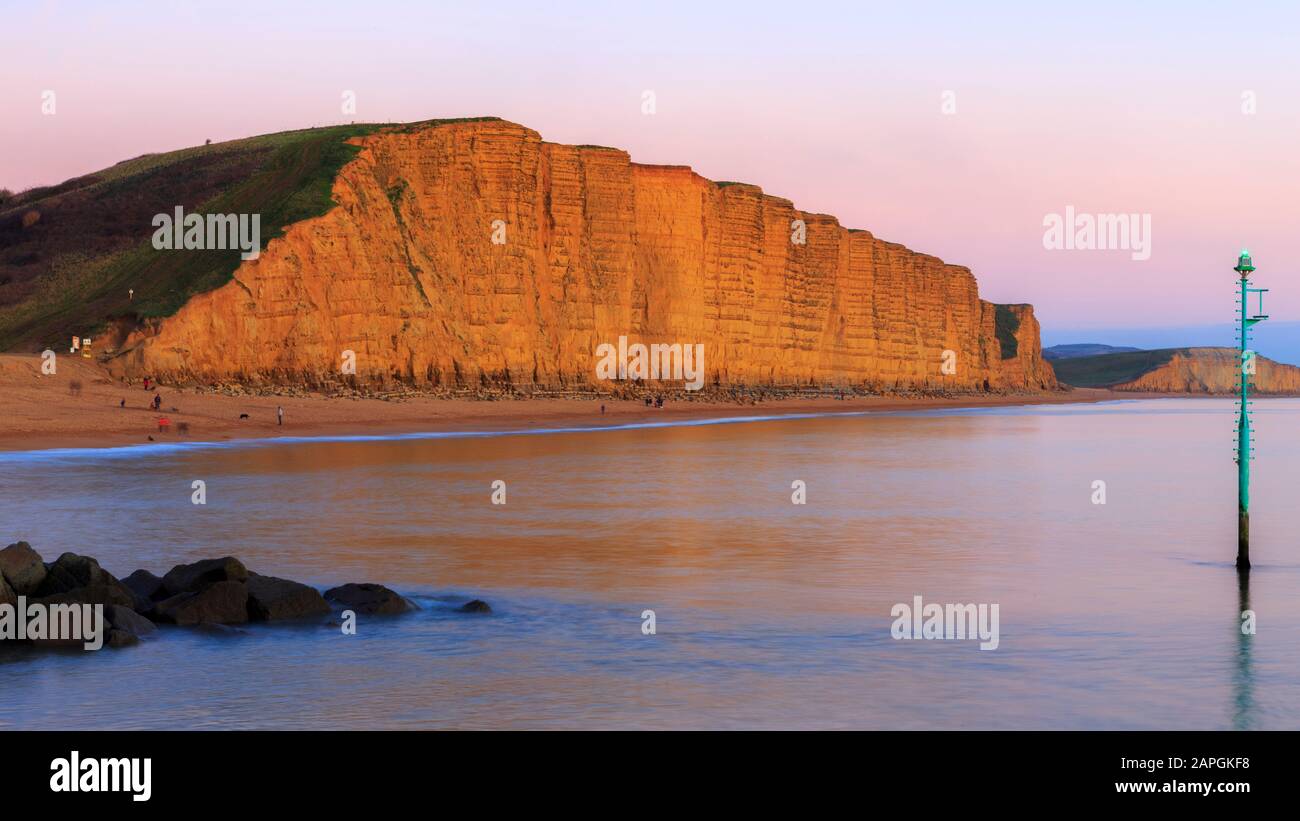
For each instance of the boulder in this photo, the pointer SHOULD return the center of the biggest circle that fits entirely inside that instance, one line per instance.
(22, 567)
(80, 579)
(223, 602)
(475, 606)
(121, 638)
(272, 599)
(374, 599)
(191, 578)
(79, 644)
(146, 586)
(126, 619)
(68, 572)
(104, 594)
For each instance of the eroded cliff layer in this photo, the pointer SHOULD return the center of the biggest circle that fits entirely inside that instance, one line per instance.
(476, 253)
(1214, 371)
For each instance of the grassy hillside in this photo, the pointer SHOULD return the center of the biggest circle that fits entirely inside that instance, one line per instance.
(1112, 368)
(1083, 349)
(70, 253)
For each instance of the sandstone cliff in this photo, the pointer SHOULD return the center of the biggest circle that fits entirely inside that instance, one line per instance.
(1177, 370)
(1215, 371)
(405, 273)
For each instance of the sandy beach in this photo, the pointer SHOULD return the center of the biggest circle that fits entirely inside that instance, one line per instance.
(46, 411)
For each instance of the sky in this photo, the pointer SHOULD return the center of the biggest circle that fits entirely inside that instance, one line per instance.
(954, 128)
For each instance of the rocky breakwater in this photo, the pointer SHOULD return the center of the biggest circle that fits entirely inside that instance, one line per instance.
(474, 254)
(214, 594)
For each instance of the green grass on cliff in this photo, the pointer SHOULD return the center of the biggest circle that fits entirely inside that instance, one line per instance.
(1005, 325)
(72, 269)
(70, 254)
(1104, 370)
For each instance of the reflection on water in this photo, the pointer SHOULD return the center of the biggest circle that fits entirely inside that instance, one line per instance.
(769, 614)
(1243, 714)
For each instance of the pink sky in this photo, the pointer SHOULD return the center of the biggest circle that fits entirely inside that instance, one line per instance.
(1100, 106)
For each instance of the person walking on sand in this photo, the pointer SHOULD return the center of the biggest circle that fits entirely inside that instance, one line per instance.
(279, 414)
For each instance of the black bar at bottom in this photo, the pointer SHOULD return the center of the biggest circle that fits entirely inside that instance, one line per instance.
(328, 770)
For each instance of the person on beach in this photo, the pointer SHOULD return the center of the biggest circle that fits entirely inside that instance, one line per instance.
(122, 404)
(602, 410)
(157, 401)
(279, 414)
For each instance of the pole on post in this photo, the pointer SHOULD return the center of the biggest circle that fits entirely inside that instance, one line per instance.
(1247, 366)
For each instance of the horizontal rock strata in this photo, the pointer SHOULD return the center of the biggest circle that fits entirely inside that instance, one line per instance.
(405, 273)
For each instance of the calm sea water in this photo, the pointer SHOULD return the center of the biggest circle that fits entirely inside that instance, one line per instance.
(768, 614)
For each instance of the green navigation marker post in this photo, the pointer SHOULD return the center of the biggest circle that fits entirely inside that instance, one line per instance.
(1244, 454)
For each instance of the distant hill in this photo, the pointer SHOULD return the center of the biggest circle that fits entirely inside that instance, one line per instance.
(1279, 337)
(1214, 371)
(1083, 349)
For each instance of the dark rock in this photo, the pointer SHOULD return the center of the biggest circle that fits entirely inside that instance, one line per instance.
(223, 602)
(80, 579)
(79, 644)
(104, 594)
(146, 586)
(22, 567)
(191, 578)
(7, 594)
(374, 599)
(126, 619)
(69, 572)
(162, 611)
(121, 638)
(475, 606)
(272, 599)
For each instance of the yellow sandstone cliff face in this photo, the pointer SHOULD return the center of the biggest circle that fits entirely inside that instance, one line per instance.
(1215, 371)
(405, 273)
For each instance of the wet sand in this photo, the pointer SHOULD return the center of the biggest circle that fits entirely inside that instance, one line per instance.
(40, 412)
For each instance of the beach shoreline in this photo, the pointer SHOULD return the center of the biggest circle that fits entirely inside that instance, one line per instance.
(43, 412)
